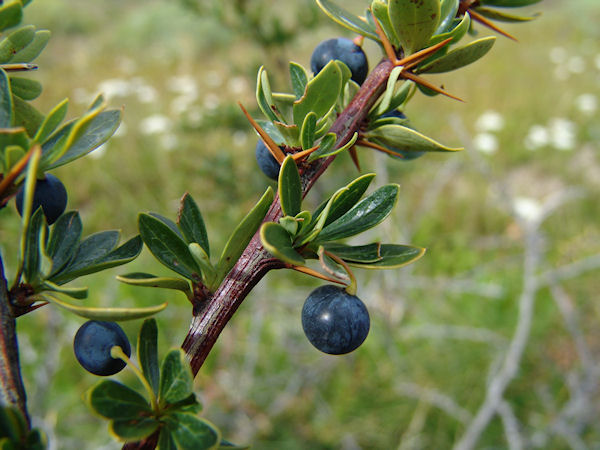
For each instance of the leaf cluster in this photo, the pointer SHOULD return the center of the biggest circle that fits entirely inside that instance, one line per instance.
(15, 433)
(171, 409)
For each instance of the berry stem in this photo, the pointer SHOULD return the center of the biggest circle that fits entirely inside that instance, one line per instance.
(117, 352)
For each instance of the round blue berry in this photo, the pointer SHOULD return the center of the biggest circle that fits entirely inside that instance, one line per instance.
(92, 345)
(343, 50)
(267, 162)
(406, 155)
(334, 321)
(50, 194)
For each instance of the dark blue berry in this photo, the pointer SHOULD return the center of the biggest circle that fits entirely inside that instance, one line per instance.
(267, 162)
(92, 345)
(406, 155)
(334, 321)
(343, 50)
(50, 194)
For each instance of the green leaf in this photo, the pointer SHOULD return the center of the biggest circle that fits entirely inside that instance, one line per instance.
(208, 270)
(147, 351)
(347, 19)
(15, 138)
(502, 16)
(448, 11)
(264, 96)
(331, 266)
(228, 445)
(456, 33)
(278, 242)
(325, 146)
(509, 3)
(307, 133)
(299, 79)
(321, 93)
(304, 219)
(149, 280)
(116, 401)
(321, 153)
(380, 10)
(15, 41)
(414, 22)
(33, 49)
(168, 222)
(92, 256)
(25, 88)
(272, 131)
(134, 429)
(176, 379)
(386, 99)
(6, 106)
(64, 240)
(405, 139)
(192, 432)
(346, 199)
(242, 235)
(364, 215)
(191, 223)
(73, 292)
(12, 423)
(26, 116)
(52, 121)
(10, 15)
(376, 256)
(168, 247)
(35, 238)
(165, 440)
(290, 187)
(459, 57)
(290, 224)
(110, 314)
(97, 131)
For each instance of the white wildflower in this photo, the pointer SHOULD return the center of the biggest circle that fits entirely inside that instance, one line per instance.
(538, 136)
(587, 103)
(528, 209)
(490, 121)
(486, 143)
(114, 87)
(558, 55)
(155, 124)
(562, 133)
(576, 64)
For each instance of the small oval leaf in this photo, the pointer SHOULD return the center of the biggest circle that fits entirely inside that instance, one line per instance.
(290, 187)
(459, 57)
(278, 242)
(116, 401)
(110, 314)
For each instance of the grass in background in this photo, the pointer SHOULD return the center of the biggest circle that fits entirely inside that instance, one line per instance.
(532, 116)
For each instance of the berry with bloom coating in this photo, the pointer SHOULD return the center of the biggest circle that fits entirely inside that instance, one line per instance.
(92, 345)
(50, 194)
(267, 162)
(334, 321)
(343, 50)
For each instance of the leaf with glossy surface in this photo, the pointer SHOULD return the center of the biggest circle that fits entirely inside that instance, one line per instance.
(347, 19)
(406, 139)
(110, 314)
(116, 401)
(264, 96)
(96, 133)
(460, 57)
(149, 280)
(168, 247)
(52, 121)
(134, 429)
(457, 33)
(15, 42)
(321, 93)
(414, 22)
(379, 9)
(35, 237)
(278, 242)
(64, 240)
(321, 153)
(165, 440)
(377, 256)
(176, 379)
(147, 351)
(346, 199)
(26, 116)
(192, 432)
(448, 11)
(307, 133)
(6, 106)
(364, 215)
(501, 16)
(290, 187)
(299, 79)
(242, 234)
(78, 293)
(191, 223)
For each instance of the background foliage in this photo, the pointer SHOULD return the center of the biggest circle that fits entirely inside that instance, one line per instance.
(530, 126)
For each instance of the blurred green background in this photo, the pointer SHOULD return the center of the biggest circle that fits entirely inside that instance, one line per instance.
(440, 327)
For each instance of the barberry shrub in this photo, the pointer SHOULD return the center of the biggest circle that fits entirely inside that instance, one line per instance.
(336, 107)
